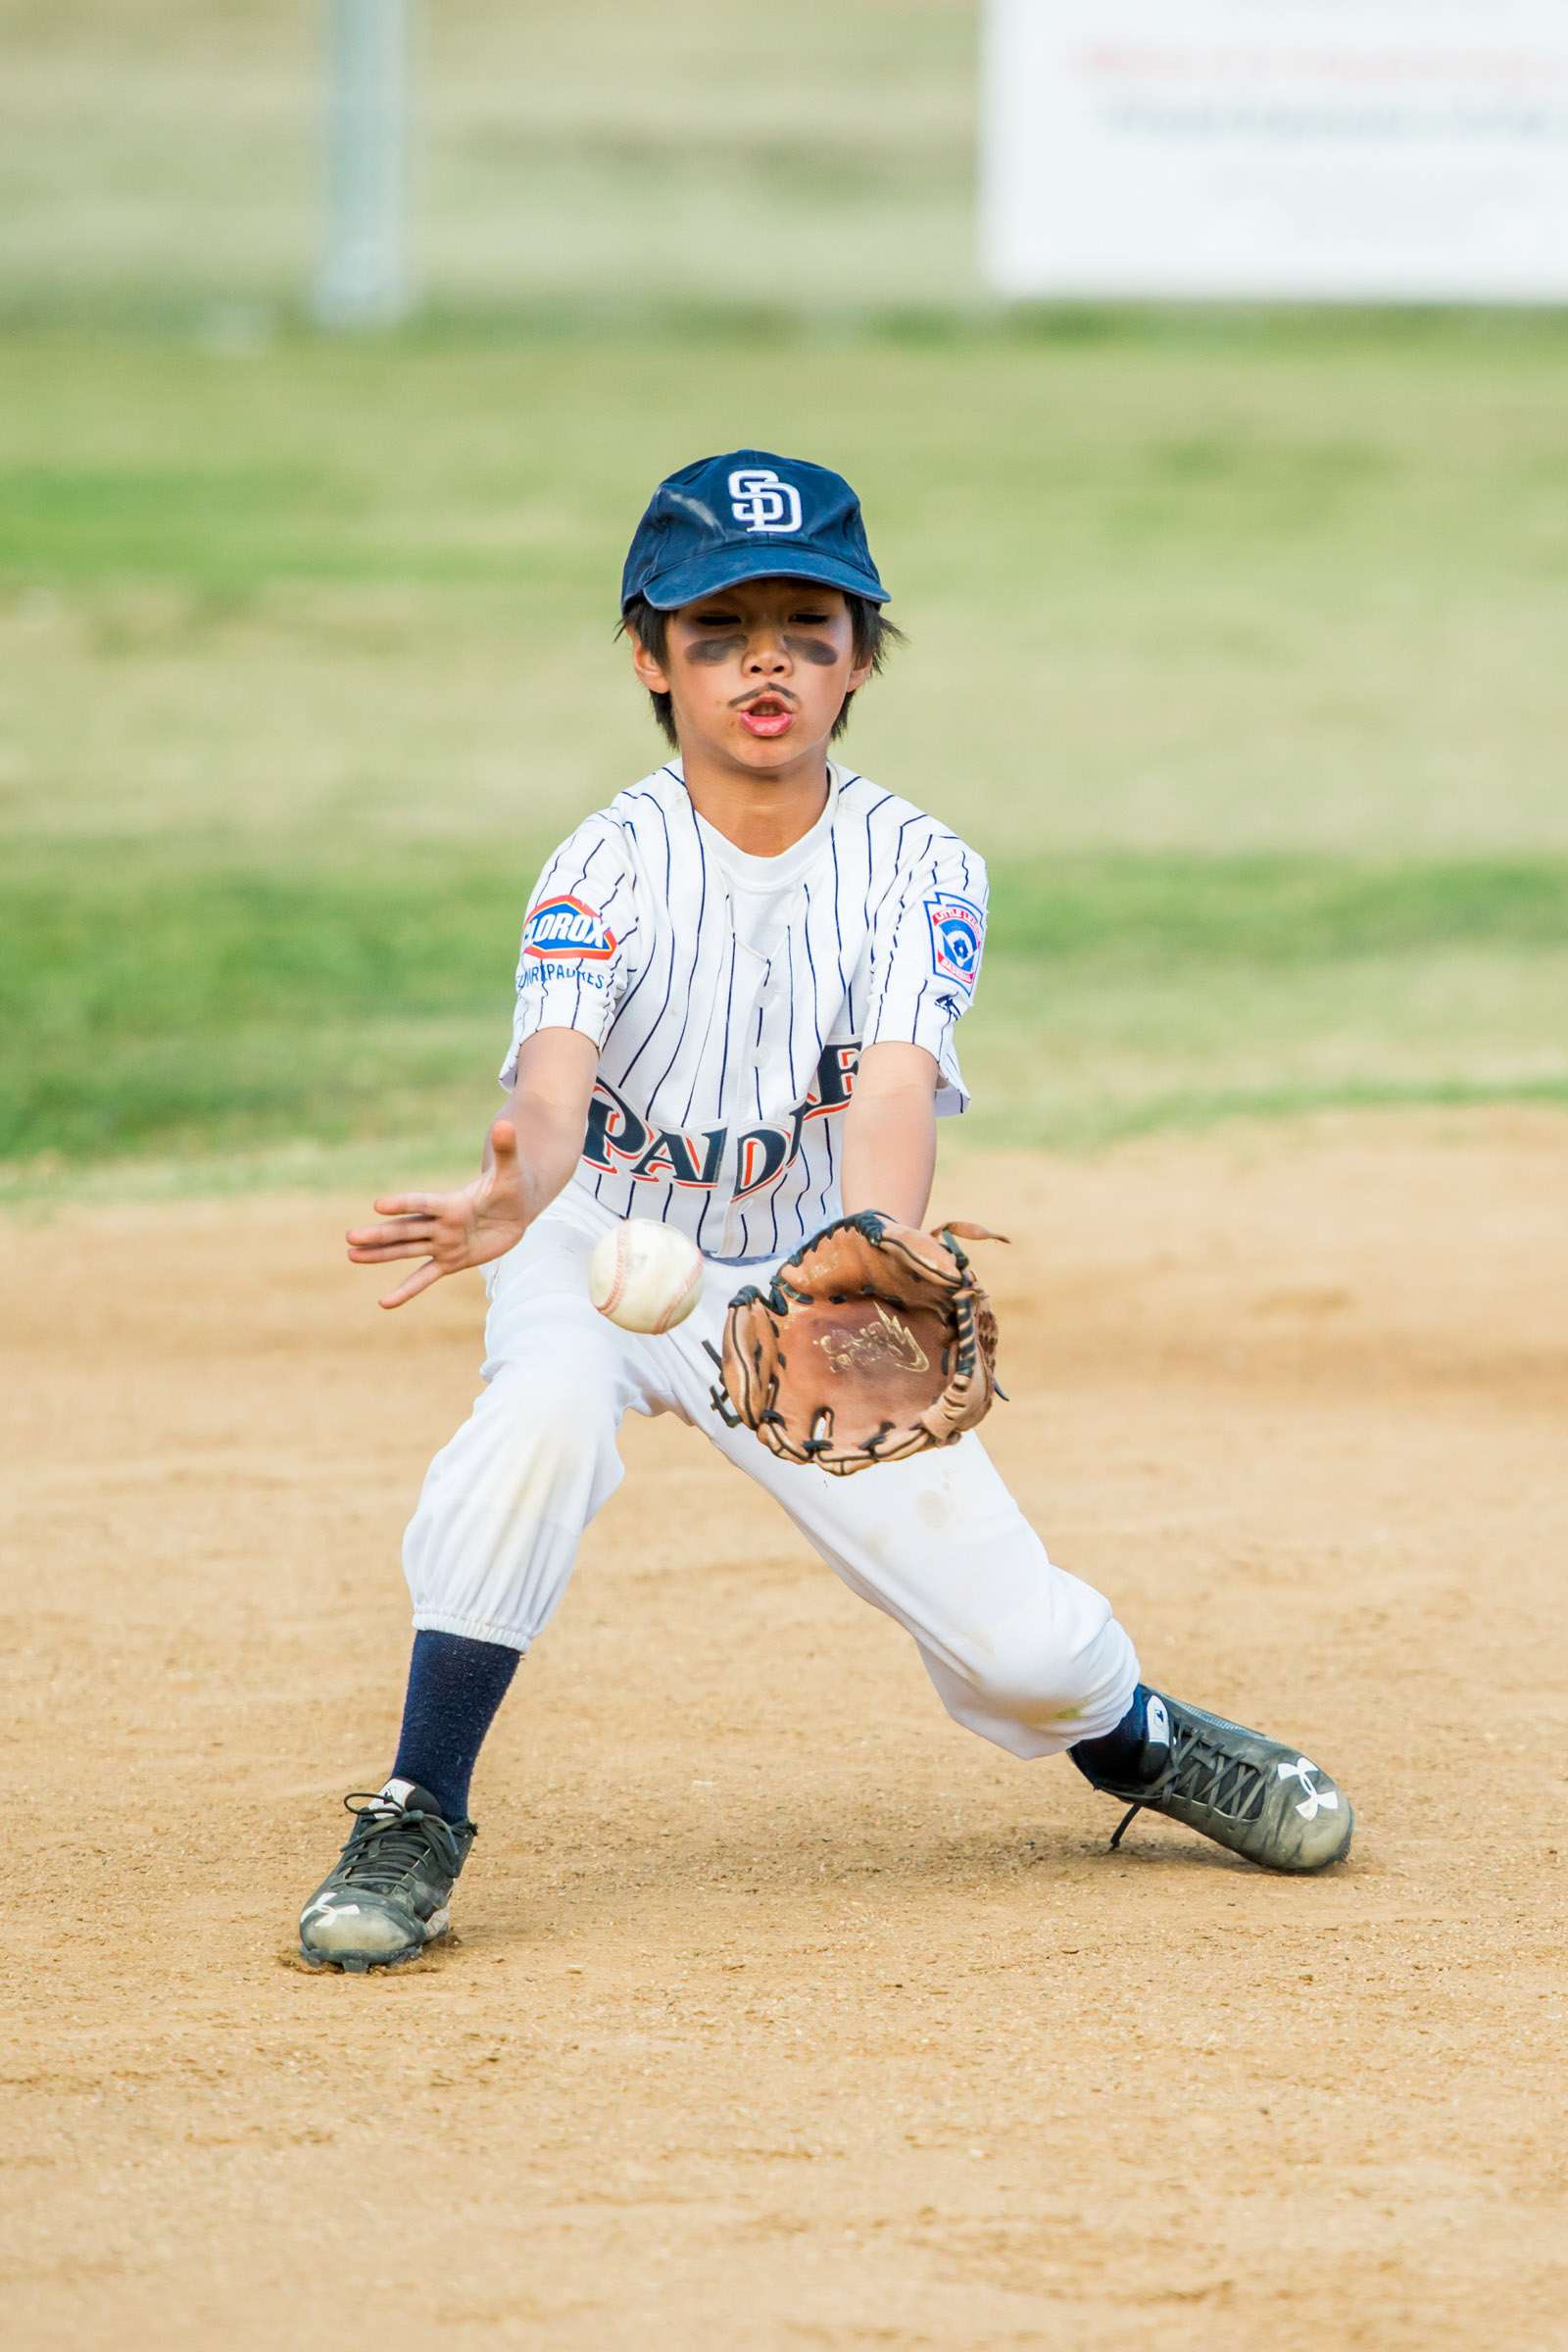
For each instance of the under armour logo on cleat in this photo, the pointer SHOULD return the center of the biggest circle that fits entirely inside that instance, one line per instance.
(1316, 1800)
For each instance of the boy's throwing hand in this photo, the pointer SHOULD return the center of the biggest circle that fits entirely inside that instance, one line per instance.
(450, 1231)
(530, 1153)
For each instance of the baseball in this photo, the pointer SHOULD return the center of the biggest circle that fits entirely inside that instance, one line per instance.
(645, 1277)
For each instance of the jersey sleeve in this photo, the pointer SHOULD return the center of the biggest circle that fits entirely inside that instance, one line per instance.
(576, 935)
(926, 947)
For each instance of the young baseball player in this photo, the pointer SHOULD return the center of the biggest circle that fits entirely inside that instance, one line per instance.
(736, 1004)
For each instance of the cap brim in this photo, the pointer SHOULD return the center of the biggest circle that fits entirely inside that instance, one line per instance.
(726, 567)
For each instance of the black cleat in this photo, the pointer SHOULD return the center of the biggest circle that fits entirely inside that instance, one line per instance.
(390, 1894)
(1261, 1799)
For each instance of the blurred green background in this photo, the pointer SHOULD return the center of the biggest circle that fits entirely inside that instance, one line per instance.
(1236, 637)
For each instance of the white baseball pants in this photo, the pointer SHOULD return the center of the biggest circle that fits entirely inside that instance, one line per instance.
(1019, 1650)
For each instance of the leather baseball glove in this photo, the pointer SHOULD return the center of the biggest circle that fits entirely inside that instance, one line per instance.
(873, 1342)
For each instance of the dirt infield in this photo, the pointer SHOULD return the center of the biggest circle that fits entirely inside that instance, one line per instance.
(784, 2013)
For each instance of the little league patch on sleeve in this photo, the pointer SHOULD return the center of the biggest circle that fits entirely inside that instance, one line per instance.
(565, 927)
(957, 931)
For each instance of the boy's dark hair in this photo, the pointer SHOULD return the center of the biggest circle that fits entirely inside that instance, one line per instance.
(873, 634)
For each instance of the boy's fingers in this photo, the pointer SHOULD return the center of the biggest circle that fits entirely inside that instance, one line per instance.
(429, 1272)
(409, 1204)
(379, 1253)
(504, 1140)
(373, 1237)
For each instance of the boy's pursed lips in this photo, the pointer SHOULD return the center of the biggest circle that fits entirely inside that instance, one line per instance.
(766, 711)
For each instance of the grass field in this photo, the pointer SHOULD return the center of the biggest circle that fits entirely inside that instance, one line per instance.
(206, 1013)
(1234, 654)
(1235, 639)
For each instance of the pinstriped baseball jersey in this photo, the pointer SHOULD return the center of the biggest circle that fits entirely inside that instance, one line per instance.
(730, 996)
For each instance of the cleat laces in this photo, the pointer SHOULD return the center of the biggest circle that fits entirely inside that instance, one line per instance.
(1203, 1772)
(387, 1841)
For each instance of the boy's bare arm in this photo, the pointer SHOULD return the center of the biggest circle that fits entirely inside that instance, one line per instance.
(529, 1156)
(890, 1133)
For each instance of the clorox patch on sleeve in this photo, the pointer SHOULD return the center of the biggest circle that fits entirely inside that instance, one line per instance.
(563, 928)
(958, 934)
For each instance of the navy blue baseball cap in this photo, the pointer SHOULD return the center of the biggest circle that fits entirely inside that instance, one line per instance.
(746, 516)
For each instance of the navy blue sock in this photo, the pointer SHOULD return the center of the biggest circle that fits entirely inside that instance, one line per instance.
(455, 1686)
(1117, 1754)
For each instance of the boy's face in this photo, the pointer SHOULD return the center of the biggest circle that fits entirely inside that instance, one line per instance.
(758, 673)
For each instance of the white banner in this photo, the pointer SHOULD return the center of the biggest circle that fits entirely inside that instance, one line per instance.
(1357, 150)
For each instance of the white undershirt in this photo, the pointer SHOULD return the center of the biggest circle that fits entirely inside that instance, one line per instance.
(761, 889)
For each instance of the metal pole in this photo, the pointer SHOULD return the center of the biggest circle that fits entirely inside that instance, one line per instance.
(363, 279)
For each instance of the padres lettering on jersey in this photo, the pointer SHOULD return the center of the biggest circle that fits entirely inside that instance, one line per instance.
(730, 996)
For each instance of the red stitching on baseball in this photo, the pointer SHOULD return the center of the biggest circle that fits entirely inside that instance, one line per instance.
(613, 1295)
(672, 1312)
